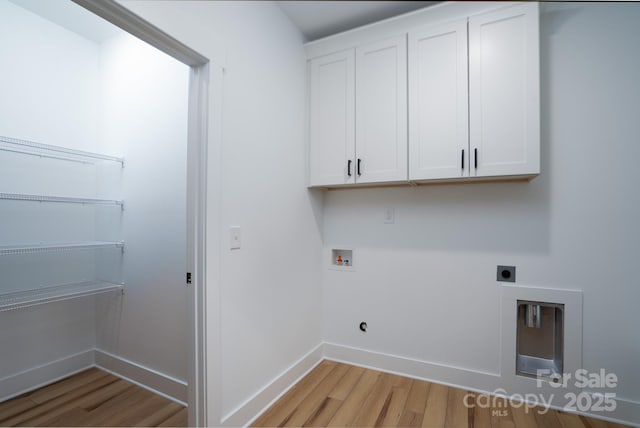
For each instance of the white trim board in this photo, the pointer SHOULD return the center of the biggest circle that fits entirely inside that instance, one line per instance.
(37, 377)
(29, 380)
(443, 374)
(122, 17)
(247, 412)
(627, 411)
(147, 378)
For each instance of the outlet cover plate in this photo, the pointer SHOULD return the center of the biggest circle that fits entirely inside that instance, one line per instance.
(234, 238)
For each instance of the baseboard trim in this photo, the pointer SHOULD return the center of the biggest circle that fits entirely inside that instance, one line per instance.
(627, 411)
(439, 373)
(152, 380)
(247, 412)
(37, 377)
(46, 374)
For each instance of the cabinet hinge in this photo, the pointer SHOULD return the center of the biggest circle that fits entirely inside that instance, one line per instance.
(188, 278)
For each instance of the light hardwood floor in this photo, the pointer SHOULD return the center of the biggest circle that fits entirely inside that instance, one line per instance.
(339, 395)
(92, 398)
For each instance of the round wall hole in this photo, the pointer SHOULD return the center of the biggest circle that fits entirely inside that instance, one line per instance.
(506, 274)
(363, 326)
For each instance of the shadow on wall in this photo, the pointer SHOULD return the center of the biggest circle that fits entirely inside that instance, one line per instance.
(511, 217)
(502, 217)
(316, 199)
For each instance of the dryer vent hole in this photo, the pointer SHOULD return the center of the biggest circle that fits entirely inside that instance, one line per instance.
(506, 273)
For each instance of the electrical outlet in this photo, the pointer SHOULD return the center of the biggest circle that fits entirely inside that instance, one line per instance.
(235, 238)
(389, 216)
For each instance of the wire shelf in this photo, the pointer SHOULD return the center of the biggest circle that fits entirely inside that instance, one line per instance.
(24, 299)
(62, 199)
(52, 248)
(46, 150)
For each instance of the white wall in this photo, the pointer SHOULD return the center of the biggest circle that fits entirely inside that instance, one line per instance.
(426, 285)
(270, 289)
(48, 86)
(144, 103)
(49, 73)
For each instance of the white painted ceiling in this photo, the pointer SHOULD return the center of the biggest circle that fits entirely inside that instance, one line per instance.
(317, 19)
(74, 18)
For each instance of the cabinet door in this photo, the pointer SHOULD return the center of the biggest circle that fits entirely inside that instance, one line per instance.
(438, 102)
(381, 111)
(504, 92)
(331, 119)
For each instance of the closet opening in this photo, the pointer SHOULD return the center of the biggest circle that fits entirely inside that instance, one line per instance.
(102, 200)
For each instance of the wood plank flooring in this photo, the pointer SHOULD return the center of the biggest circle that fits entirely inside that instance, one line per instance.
(332, 395)
(340, 395)
(92, 398)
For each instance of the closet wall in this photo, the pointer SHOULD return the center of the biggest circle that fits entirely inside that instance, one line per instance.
(49, 87)
(144, 95)
(62, 88)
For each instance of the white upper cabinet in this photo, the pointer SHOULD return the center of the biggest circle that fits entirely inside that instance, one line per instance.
(438, 102)
(381, 111)
(504, 94)
(331, 119)
(457, 97)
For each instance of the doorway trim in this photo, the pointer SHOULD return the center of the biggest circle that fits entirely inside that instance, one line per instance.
(197, 160)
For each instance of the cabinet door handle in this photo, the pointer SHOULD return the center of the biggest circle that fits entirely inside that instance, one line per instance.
(358, 167)
(462, 159)
(475, 158)
(349, 167)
